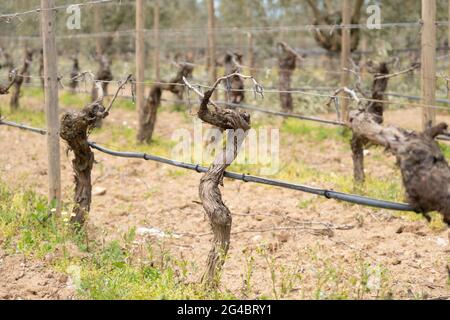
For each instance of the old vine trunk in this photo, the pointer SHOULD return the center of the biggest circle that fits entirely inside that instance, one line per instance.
(287, 63)
(331, 40)
(74, 130)
(237, 123)
(425, 172)
(18, 80)
(376, 108)
(148, 115)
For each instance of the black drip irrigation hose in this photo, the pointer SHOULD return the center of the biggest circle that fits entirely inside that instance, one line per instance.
(329, 194)
(23, 127)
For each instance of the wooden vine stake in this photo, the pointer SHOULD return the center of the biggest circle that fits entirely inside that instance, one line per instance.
(448, 48)
(237, 124)
(51, 101)
(251, 53)
(143, 112)
(156, 18)
(428, 62)
(345, 54)
(75, 129)
(212, 71)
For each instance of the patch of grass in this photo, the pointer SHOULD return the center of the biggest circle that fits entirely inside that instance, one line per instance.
(305, 204)
(361, 280)
(32, 92)
(437, 223)
(151, 192)
(27, 225)
(111, 277)
(299, 172)
(334, 278)
(125, 104)
(312, 131)
(179, 107)
(445, 149)
(73, 101)
(174, 173)
(124, 137)
(30, 117)
(110, 270)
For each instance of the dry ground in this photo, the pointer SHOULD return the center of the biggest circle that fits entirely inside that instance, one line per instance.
(400, 257)
(23, 279)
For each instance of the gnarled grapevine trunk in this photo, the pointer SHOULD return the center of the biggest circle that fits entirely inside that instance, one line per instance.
(73, 74)
(286, 62)
(376, 108)
(147, 116)
(74, 129)
(237, 123)
(425, 172)
(357, 146)
(331, 40)
(175, 84)
(18, 80)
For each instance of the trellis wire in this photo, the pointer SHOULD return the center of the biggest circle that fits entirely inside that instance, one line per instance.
(271, 112)
(270, 91)
(9, 16)
(285, 114)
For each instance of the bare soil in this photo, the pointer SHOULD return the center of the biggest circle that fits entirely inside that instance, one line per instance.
(152, 195)
(22, 279)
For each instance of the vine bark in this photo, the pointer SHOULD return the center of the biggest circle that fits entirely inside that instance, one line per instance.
(287, 58)
(425, 171)
(18, 80)
(376, 108)
(75, 129)
(331, 39)
(237, 123)
(149, 114)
